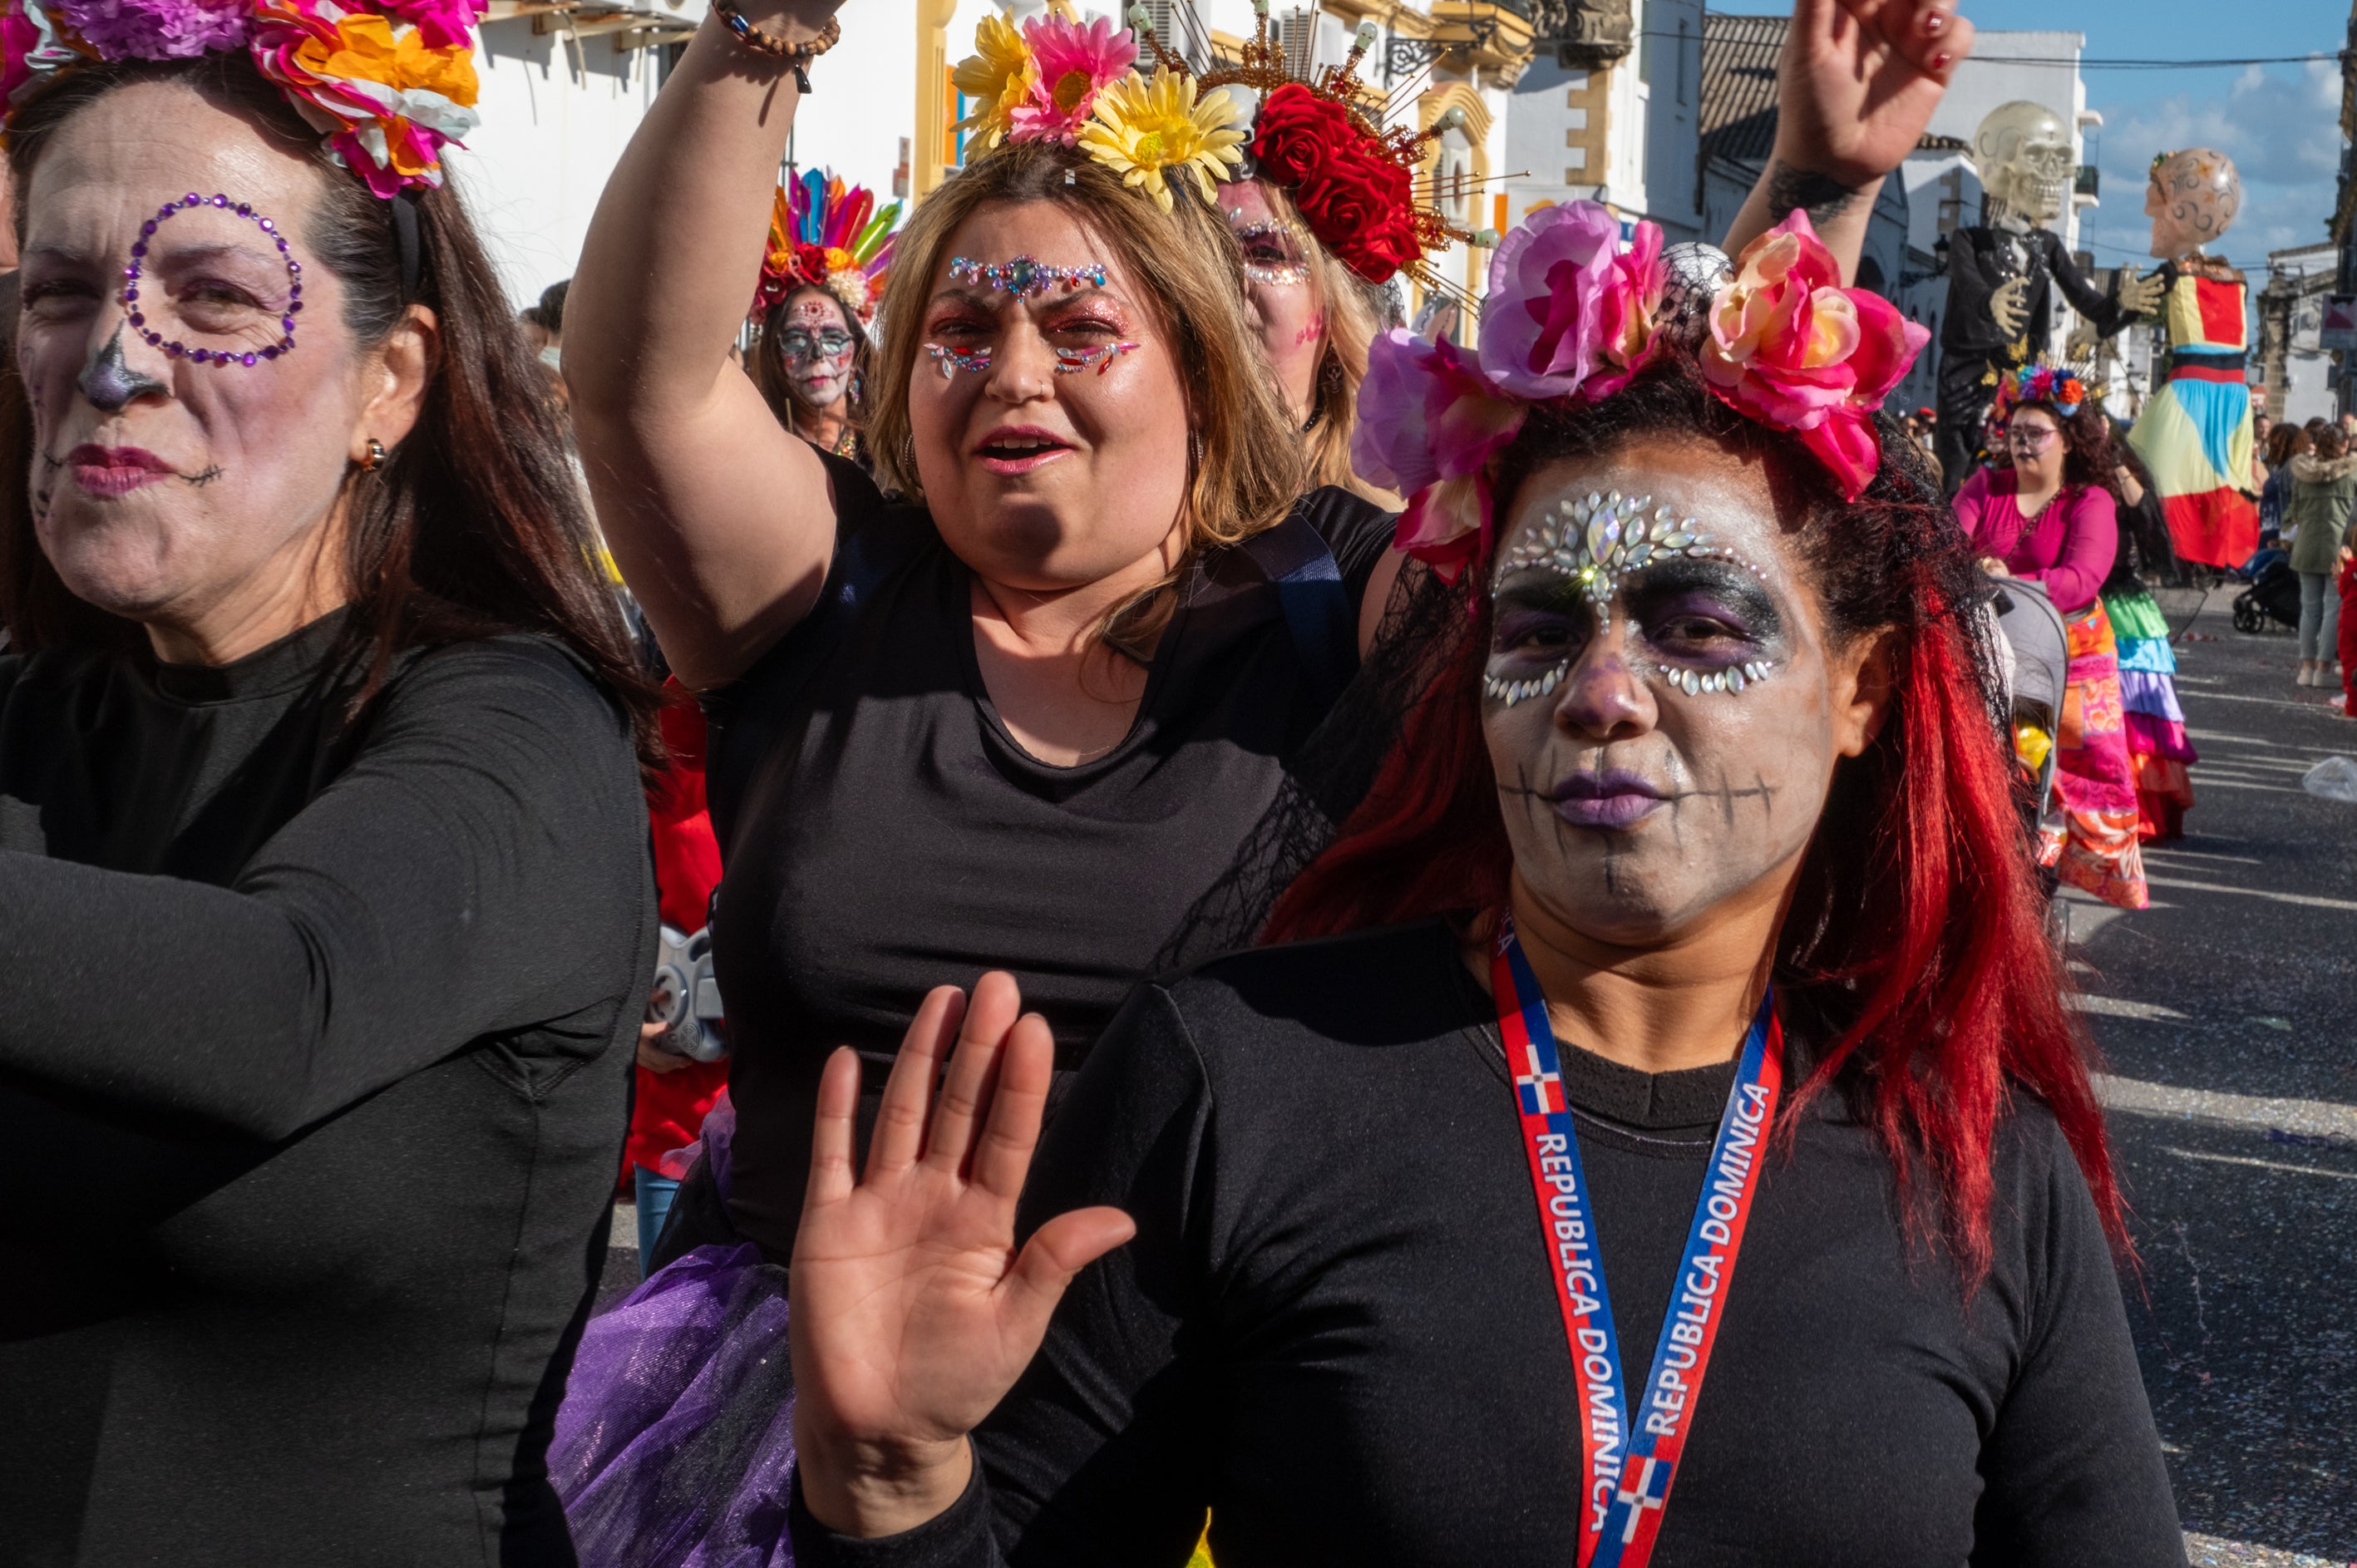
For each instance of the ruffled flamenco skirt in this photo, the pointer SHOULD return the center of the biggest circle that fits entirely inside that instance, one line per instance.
(2158, 750)
(2096, 849)
(675, 1446)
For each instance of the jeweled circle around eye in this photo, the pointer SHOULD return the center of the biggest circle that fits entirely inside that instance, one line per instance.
(177, 350)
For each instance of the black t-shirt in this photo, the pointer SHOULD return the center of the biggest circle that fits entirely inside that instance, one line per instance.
(895, 837)
(1337, 1331)
(314, 1063)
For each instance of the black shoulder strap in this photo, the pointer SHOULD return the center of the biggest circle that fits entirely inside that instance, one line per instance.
(744, 717)
(1316, 606)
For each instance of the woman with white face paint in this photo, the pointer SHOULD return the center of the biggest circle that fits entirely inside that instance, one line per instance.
(322, 854)
(807, 363)
(1677, 1131)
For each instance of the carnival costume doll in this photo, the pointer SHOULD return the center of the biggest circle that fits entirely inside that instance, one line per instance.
(2002, 274)
(823, 270)
(2195, 431)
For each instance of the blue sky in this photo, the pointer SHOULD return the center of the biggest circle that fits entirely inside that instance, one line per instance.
(2279, 123)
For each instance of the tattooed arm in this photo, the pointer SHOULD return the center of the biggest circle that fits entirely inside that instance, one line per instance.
(1856, 84)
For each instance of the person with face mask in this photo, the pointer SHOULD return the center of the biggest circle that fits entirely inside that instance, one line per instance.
(1637, 1092)
(323, 874)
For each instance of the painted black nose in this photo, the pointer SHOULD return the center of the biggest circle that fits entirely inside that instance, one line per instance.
(110, 382)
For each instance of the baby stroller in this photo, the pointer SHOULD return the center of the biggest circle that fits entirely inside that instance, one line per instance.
(2036, 669)
(2274, 594)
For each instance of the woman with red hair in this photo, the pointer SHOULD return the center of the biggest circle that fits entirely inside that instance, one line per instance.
(1678, 1019)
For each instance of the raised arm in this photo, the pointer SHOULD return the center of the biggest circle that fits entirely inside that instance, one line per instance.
(723, 522)
(1855, 86)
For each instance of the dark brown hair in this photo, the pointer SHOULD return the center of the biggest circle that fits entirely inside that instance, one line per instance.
(472, 527)
(767, 365)
(2089, 459)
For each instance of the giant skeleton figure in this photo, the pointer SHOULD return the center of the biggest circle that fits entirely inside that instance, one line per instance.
(2000, 309)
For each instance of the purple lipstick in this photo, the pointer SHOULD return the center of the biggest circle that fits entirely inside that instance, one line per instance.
(1613, 799)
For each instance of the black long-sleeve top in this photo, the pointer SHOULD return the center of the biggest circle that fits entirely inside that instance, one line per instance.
(1336, 1327)
(1981, 259)
(311, 1094)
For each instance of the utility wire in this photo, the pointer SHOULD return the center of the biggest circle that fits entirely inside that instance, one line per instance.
(2097, 62)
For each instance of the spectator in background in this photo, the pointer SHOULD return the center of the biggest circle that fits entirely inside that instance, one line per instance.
(2324, 484)
(811, 363)
(2284, 443)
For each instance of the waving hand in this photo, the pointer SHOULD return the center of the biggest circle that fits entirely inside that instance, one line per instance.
(913, 1310)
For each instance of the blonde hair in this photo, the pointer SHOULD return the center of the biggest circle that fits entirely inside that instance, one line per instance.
(1245, 469)
(1352, 319)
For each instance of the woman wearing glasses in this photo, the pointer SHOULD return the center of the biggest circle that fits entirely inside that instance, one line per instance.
(2048, 520)
(809, 365)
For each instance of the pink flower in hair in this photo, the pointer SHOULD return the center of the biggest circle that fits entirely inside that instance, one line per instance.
(157, 30)
(444, 23)
(1792, 348)
(1429, 422)
(1570, 313)
(1073, 64)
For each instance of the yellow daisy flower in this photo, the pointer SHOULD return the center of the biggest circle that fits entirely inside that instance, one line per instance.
(997, 77)
(1143, 130)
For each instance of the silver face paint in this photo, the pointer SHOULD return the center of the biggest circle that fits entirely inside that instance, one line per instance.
(109, 381)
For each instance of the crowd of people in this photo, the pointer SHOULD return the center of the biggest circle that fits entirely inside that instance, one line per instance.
(1255, 857)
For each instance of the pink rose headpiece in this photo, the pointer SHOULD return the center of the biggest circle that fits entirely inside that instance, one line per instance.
(1571, 316)
(387, 83)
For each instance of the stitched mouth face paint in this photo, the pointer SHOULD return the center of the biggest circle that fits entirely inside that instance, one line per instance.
(975, 361)
(1026, 275)
(201, 313)
(1073, 362)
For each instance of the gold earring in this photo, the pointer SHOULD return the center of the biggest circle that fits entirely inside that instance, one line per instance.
(375, 455)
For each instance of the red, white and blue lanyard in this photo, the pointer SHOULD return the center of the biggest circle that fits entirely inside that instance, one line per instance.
(1628, 1465)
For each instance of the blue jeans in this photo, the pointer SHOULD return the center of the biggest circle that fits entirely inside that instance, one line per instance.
(654, 1193)
(2319, 616)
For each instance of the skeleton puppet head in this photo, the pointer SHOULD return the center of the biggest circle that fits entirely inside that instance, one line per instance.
(2023, 153)
(2193, 199)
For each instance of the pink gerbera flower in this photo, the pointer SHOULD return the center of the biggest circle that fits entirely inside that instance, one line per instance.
(157, 30)
(1074, 63)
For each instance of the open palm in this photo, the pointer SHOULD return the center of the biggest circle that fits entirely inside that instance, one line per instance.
(1858, 81)
(913, 1310)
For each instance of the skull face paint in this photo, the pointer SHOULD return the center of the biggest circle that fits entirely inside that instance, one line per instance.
(1663, 714)
(817, 343)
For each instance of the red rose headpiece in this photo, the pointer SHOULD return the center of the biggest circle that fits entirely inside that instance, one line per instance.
(1353, 181)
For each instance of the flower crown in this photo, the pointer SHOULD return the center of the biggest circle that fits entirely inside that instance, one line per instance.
(825, 233)
(1054, 80)
(387, 84)
(2067, 387)
(1352, 181)
(1571, 317)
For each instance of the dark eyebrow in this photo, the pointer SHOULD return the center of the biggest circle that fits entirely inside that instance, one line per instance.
(1708, 574)
(1540, 588)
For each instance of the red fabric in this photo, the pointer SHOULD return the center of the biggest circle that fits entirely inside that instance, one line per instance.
(2208, 373)
(670, 1106)
(2222, 313)
(2067, 553)
(2348, 648)
(2216, 528)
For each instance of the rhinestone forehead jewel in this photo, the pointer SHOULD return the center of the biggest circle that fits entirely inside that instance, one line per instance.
(1599, 541)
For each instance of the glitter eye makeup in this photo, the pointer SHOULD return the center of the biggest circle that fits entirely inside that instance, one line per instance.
(975, 360)
(1073, 362)
(1272, 253)
(1026, 275)
(1599, 544)
(133, 274)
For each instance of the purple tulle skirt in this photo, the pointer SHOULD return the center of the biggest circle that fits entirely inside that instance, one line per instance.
(674, 1447)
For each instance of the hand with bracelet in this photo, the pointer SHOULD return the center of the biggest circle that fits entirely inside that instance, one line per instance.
(1855, 86)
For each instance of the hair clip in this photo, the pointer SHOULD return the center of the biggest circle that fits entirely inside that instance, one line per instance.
(179, 351)
(953, 360)
(1026, 275)
(1073, 362)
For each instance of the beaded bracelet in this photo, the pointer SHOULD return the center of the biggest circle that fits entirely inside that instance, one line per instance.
(796, 56)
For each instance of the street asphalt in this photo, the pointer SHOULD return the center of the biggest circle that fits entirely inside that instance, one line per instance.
(2226, 1015)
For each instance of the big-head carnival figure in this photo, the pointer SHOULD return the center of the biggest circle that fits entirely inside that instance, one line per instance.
(2195, 432)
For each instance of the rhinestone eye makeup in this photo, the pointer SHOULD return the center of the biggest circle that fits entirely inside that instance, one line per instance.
(1073, 362)
(179, 351)
(1599, 542)
(1276, 241)
(1026, 275)
(953, 360)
